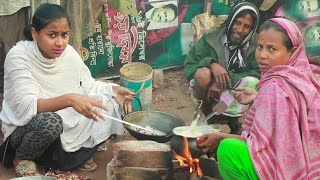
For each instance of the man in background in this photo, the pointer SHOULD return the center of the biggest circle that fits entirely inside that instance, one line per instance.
(223, 56)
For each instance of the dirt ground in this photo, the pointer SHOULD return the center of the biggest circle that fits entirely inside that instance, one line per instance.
(171, 97)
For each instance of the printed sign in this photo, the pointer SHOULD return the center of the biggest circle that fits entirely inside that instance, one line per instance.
(306, 14)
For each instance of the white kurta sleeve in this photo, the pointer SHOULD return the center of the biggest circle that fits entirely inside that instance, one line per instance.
(20, 89)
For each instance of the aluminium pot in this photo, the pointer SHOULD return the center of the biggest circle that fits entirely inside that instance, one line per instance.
(191, 133)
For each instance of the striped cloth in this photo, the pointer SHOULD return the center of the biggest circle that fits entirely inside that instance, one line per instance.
(282, 128)
(236, 109)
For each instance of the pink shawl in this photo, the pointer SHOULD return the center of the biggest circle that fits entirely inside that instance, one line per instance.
(282, 128)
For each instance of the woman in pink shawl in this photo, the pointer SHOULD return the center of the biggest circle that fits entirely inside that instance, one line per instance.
(281, 132)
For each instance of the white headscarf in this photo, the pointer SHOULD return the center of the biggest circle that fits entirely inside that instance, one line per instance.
(29, 76)
(235, 60)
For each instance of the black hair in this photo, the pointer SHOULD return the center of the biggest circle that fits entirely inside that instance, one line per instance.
(173, 7)
(271, 24)
(43, 15)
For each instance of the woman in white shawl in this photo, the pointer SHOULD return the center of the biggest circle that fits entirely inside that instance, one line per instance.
(51, 102)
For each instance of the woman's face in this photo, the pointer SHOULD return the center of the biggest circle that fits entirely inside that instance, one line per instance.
(271, 50)
(308, 5)
(52, 39)
(312, 35)
(163, 15)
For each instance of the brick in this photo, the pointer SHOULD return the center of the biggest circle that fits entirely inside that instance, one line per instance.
(209, 167)
(148, 154)
(208, 178)
(115, 172)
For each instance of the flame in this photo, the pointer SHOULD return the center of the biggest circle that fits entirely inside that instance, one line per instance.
(186, 159)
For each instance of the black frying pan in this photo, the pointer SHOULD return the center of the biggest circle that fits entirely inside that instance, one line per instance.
(161, 121)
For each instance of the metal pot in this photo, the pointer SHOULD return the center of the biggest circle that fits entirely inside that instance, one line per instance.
(158, 120)
(177, 142)
(35, 178)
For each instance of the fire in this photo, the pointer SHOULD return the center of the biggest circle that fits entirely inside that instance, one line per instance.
(187, 160)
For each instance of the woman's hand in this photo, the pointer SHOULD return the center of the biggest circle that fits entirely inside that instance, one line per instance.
(244, 95)
(221, 76)
(211, 143)
(87, 106)
(123, 97)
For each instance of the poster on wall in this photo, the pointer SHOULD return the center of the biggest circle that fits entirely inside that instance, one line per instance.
(160, 14)
(156, 32)
(311, 35)
(119, 39)
(306, 14)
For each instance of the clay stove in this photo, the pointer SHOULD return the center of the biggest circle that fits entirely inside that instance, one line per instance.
(137, 160)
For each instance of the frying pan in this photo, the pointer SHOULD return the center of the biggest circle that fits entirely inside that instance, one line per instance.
(161, 121)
